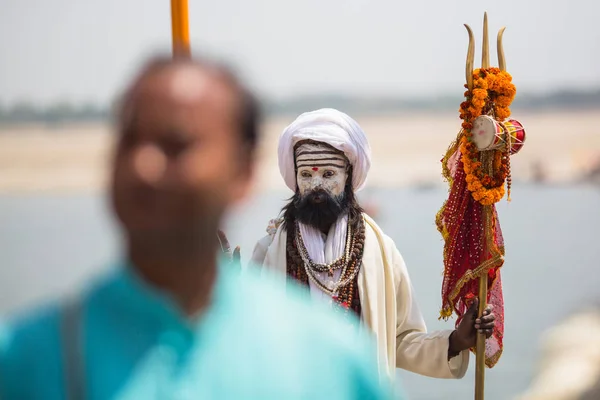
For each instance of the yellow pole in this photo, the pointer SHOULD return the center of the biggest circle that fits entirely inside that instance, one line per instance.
(480, 349)
(180, 28)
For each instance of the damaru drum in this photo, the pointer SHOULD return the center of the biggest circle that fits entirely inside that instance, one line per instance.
(516, 131)
(489, 134)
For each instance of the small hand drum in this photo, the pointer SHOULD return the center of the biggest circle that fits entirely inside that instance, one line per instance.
(489, 134)
(517, 134)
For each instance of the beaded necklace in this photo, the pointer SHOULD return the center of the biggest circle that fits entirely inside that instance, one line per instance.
(312, 268)
(302, 269)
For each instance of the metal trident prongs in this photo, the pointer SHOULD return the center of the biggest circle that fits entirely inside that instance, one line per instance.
(485, 51)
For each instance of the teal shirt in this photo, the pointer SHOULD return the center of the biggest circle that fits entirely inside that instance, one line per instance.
(256, 341)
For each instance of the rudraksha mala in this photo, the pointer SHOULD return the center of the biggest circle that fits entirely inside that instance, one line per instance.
(348, 297)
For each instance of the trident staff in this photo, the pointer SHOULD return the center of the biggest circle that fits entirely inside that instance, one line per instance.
(477, 167)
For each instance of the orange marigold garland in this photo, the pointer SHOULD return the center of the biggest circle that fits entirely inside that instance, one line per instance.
(492, 94)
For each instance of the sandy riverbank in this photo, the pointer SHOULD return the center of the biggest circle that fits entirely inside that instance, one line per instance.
(406, 151)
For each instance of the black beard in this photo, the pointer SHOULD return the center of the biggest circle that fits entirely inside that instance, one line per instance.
(319, 208)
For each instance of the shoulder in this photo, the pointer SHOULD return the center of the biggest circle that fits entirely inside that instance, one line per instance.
(377, 240)
(274, 225)
(262, 246)
(275, 293)
(315, 337)
(26, 342)
(30, 328)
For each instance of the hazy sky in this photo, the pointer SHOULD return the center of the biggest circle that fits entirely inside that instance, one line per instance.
(84, 50)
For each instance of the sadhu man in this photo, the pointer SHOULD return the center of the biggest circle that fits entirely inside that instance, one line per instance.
(325, 241)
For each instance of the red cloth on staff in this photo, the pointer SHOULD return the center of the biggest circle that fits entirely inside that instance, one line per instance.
(473, 245)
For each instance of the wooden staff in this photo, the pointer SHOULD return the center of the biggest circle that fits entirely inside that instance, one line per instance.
(480, 349)
(483, 279)
(180, 28)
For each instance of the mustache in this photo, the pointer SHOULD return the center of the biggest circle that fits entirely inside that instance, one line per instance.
(319, 196)
(319, 208)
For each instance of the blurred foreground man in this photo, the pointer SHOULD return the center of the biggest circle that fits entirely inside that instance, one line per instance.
(173, 321)
(325, 241)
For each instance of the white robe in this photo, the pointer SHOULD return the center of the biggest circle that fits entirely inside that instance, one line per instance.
(388, 307)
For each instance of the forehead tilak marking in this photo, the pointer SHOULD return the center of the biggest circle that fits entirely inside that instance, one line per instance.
(321, 163)
(315, 155)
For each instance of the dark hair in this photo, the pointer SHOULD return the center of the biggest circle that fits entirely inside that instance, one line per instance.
(248, 110)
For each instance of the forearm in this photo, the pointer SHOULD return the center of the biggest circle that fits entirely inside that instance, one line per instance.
(429, 354)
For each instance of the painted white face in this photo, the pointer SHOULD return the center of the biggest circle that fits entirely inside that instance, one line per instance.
(320, 167)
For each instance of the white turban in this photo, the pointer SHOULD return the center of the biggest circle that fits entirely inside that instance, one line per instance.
(327, 126)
